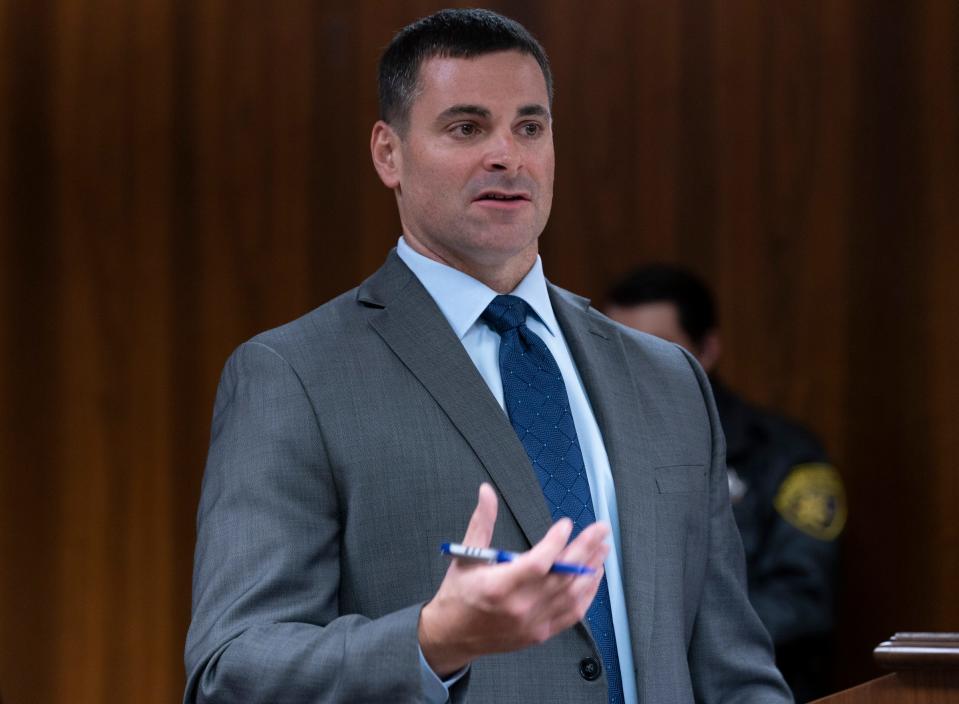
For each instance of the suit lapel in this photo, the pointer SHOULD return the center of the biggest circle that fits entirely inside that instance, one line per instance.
(600, 357)
(414, 328)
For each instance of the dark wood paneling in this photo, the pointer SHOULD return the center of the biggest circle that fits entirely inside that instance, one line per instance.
(938, 78)
(177, 176)
(30, 376)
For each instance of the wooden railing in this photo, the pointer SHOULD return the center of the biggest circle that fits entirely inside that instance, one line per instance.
(925, 671)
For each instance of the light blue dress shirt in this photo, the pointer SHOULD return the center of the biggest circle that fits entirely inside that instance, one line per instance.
(462, 299)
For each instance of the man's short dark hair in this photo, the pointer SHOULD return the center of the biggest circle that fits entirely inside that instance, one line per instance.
(662, 283)
(457, 34)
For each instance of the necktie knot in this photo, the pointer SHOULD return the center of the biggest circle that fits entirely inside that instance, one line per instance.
(505, 313)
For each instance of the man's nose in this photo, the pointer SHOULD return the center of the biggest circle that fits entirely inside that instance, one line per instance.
(504, 154)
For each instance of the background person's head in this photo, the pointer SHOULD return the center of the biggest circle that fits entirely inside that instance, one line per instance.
(670, 303)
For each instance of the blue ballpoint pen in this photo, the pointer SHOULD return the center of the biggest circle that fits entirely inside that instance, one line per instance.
(492, 556)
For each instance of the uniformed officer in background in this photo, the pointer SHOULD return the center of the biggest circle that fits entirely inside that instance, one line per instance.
(788, 500)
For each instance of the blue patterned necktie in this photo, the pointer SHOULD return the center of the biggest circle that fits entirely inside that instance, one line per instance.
(538, 408)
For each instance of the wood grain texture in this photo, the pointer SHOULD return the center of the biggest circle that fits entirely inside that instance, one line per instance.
(176, 176)
(926, 687)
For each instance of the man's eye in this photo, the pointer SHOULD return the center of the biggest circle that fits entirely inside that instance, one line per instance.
(532, 129)
(465, 129)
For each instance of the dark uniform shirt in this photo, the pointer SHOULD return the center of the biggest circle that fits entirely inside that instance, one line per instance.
(790, 507)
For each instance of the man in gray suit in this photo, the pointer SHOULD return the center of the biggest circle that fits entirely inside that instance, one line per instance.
(349, 444)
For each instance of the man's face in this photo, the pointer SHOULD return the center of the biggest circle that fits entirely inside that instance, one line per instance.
(474, 169)
(660, 318)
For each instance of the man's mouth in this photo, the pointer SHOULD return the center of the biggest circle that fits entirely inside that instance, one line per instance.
(497, 196)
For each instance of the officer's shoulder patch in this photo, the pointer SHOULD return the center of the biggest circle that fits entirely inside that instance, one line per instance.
(813, 500)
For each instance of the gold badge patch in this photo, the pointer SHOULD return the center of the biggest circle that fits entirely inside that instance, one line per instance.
(813, 500)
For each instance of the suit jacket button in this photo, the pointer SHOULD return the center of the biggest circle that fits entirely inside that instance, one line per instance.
(589, 669)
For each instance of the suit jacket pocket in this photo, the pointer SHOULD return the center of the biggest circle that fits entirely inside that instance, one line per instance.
(681, 479)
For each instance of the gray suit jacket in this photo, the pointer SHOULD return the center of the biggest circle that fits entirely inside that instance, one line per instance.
(348, 444)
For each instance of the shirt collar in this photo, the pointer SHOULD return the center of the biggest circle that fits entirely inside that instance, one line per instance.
(462, 299)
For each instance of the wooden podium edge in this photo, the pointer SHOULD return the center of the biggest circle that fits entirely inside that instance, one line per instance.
(910, 651)
(926, 672)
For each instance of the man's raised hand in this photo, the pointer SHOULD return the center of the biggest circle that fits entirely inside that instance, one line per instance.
(482, 609)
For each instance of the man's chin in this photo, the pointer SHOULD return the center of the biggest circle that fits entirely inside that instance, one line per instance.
(496, 252)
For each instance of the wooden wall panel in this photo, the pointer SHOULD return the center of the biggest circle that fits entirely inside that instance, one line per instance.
(939, 130)
(111, 131)
(30, 523)
(176, 176)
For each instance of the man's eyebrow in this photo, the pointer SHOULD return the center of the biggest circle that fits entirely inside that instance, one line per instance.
(458, 110)
(529, 110)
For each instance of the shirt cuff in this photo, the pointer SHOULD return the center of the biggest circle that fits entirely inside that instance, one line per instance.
(435, 690)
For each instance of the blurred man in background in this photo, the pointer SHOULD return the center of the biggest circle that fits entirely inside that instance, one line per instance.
(788, 500)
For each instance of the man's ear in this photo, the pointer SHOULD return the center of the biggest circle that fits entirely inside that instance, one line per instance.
(385, 150)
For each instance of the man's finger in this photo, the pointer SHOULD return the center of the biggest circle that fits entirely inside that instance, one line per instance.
(589, 548)
(479, 532)
(587, 543)
(546, 551)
